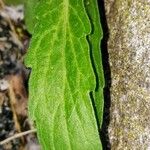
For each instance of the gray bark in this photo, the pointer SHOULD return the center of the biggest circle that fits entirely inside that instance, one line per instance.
(129, 56)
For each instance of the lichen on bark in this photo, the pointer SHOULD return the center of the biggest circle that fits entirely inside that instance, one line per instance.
(129, 56)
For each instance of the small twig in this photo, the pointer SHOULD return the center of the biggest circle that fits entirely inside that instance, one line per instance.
(17, 136)
(13, 103)
(1, 4)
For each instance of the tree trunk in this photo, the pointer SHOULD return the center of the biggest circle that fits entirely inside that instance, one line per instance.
(129, 56)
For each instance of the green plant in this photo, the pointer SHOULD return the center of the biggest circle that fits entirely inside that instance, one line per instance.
(66, 83)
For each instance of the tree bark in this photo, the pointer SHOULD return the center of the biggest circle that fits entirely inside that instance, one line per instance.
(129, 56)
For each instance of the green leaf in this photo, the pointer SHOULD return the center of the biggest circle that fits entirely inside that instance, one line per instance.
(14, 2)
(95, 41)
(30, 18)
(62, 77)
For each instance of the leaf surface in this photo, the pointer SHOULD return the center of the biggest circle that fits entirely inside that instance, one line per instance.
(62, 77)
(95, 40)
(30, 19)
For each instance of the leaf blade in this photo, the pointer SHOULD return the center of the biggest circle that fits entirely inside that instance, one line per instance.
(95, 44)
(63, 105)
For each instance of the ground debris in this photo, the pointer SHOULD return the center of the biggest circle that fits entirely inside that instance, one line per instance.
(14, 40)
